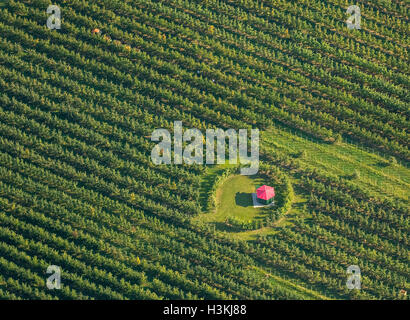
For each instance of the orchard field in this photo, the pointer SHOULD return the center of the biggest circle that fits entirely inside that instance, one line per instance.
(78, 188)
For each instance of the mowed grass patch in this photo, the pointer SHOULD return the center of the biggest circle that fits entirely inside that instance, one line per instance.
(234, 198)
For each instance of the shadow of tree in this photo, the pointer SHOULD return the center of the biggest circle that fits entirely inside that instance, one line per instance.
(243, 199)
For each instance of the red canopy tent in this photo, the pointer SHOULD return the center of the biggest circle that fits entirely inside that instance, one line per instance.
(265, 194)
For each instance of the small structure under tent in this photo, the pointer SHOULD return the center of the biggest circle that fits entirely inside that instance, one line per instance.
(265, 194)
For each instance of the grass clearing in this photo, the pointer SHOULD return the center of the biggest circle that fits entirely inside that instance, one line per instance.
(234, 198)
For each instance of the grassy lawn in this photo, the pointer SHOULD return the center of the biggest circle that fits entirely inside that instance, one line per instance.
(234, 198)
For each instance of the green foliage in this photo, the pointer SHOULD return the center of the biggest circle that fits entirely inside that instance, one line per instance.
(212, 201)
(392, 160)
(78, 189)
(356, 174)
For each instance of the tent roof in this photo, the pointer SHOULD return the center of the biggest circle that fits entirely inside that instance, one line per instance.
(265, 192)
